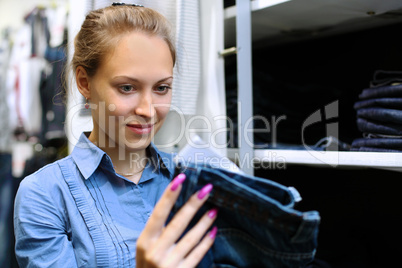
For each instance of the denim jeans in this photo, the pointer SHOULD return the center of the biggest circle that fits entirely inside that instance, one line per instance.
(377, 144)
(381, 115)
(374, 149)
(257, 223)
(381, 92)
(391, 103)
(376, 127)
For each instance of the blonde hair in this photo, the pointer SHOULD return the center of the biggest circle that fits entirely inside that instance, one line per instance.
(102, 29)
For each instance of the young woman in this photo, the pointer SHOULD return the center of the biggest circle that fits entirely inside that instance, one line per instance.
(106, 204)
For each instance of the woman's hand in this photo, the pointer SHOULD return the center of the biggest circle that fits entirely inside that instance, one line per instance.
(157, 245)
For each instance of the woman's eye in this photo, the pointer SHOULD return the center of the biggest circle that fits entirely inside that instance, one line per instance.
(162, 89)
(126, 88)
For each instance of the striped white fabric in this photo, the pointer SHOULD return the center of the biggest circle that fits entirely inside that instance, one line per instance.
(188, 70)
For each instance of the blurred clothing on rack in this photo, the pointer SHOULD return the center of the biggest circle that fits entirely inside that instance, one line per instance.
(6, 210)
(34, 72)
(31, 63)
(5, 132)
(52, 95)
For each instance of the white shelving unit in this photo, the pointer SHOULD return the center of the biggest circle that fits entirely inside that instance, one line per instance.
(381, 160)
(281, 21)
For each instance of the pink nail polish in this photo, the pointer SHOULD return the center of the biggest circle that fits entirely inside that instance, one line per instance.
(213, 232)
(212, 213)
(177, 181)
(204, 191)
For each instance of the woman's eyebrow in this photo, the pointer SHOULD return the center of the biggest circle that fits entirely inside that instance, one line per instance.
(164, 79)
(138, 80)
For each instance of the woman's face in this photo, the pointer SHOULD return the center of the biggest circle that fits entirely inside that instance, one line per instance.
(131, 92)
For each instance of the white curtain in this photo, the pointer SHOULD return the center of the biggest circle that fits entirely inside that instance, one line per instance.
(212, 97)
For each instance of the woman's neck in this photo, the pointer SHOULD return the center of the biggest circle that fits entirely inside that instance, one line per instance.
(129, 163)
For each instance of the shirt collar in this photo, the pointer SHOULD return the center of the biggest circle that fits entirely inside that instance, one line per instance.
(161, 162)
(88, 157)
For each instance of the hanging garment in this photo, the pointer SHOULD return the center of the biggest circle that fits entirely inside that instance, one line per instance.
(6, 210)
(23, 79)
(28, 100)
(52, 96)
(5, 131)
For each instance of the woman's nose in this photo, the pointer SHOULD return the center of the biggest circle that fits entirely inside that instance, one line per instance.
(145, 106)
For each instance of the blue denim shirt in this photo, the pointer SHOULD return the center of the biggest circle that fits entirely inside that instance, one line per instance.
(77, 212)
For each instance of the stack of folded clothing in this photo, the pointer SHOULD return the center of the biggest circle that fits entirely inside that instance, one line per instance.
(379, 114)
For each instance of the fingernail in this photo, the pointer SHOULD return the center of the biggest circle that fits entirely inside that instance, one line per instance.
(212, 213)
(177, 181)
(205, 190)
(213, 232)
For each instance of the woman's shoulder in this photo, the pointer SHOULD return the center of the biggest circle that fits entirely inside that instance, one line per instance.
(47, 176)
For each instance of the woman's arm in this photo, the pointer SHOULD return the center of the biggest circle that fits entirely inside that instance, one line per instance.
(40, 231)
(157, 247)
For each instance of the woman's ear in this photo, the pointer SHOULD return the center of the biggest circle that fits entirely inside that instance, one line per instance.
(82, 79)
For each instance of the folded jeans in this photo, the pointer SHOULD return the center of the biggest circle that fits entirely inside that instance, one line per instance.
(376, 127)
(392, 103)
(383, 143)
(381, 92)
(384, 115)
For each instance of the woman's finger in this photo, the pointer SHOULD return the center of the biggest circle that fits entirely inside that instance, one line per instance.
(200, 250)
(192, 238)
(180, 221)
(162, 209)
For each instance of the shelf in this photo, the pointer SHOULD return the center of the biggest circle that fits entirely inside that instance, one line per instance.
(278, 21)
(382, 160)
(230, 12)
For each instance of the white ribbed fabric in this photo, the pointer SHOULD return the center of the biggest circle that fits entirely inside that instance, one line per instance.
(185, 18)
(212, 98)
(187, 73)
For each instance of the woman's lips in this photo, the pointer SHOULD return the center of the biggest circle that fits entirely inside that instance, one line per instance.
(141, 129)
